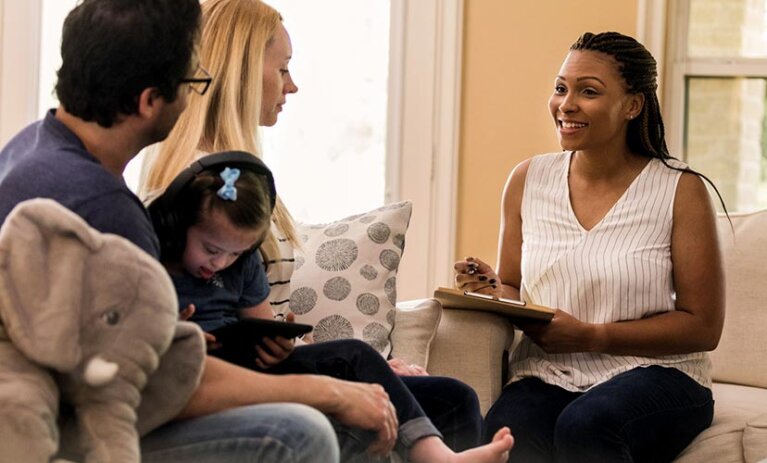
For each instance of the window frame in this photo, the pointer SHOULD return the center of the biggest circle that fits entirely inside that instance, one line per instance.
(680, 66)
(423, 137)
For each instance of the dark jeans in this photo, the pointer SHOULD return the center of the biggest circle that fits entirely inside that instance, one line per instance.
(450, 405)
(643, 415)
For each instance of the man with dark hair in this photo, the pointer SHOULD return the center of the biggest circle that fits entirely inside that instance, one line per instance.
(128, 68)
(139, 47)
(120, 87)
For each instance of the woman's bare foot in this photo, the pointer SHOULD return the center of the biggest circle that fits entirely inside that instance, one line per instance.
(433, 450)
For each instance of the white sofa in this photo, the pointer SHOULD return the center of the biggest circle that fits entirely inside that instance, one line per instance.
(474, 347)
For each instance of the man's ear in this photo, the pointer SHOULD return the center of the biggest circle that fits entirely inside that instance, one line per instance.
(149, 102)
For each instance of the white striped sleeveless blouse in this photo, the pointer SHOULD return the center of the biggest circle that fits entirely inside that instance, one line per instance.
(619, 270)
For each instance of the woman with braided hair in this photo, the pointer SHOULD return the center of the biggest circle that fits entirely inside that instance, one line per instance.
(621, 239)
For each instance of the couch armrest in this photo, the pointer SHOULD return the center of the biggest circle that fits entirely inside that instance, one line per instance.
(471, 346)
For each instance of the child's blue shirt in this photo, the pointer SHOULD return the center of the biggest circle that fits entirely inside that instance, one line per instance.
(218, 301)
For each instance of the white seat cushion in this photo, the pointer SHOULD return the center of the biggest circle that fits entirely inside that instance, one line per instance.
(736, 408)
(740, 357)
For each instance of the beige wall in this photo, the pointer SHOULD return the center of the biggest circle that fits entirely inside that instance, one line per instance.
(512, 52)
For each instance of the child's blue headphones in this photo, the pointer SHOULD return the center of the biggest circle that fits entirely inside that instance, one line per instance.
(164, 212)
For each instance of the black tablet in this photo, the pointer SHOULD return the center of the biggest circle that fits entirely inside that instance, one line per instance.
(249, 331)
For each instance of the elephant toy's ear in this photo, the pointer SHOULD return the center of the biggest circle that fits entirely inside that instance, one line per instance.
(44, 251)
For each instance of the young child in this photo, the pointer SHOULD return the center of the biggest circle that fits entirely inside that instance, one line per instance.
(210, 221)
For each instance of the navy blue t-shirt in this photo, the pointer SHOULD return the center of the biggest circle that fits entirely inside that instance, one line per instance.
(218, 301)
(47, 160)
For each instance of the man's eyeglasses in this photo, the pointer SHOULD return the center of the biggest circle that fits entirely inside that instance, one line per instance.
(199, 84)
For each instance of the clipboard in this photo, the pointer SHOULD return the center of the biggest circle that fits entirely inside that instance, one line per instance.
(456, 299)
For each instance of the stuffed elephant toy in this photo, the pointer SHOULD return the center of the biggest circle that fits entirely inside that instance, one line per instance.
(91, 352)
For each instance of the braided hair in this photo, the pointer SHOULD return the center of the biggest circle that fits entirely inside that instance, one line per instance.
(646, 134)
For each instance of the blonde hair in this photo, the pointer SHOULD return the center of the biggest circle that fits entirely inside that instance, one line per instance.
(235, 34)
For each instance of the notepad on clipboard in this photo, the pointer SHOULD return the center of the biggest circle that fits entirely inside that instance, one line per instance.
(519, 310)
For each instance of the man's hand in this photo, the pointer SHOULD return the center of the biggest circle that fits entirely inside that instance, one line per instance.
(366, 406)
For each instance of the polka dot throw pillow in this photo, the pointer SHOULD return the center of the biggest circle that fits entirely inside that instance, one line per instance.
(345, 279)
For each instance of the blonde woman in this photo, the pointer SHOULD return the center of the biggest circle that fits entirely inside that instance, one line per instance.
(239, 47)
(246, 47)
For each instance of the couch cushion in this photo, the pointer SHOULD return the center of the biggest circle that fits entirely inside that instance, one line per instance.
(740, 357)
(415, 325)
(755, 439)
(736, 408)
(345, 282)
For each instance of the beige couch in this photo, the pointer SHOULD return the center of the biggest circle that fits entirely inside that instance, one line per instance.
(474, 346)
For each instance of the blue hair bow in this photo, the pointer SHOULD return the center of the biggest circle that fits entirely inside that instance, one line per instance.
(229, 191)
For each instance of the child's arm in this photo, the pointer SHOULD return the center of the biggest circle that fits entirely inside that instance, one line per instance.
(262, 310)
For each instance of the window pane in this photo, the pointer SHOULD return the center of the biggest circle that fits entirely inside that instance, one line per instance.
(721, 28)
(328, 150)
(725, 138)
(53, 14)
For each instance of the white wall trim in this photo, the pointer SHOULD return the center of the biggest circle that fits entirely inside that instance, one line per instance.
(674, 96)
(667, 41)
(447, 114)
(651, 31)
(19, 63)
(423, 138)
(395, 88)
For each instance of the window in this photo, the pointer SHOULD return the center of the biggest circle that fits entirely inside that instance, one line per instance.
(716, 94)
(52, 18)
(328, 149)
(415, 117)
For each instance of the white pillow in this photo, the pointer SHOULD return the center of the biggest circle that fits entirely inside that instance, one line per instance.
(345, 281)
(415, 328)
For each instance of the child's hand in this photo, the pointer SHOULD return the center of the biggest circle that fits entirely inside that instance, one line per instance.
(272, 351)
(186, 313)
(210, 340)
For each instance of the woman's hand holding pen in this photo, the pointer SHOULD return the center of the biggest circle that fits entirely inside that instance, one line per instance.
(476, 276)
